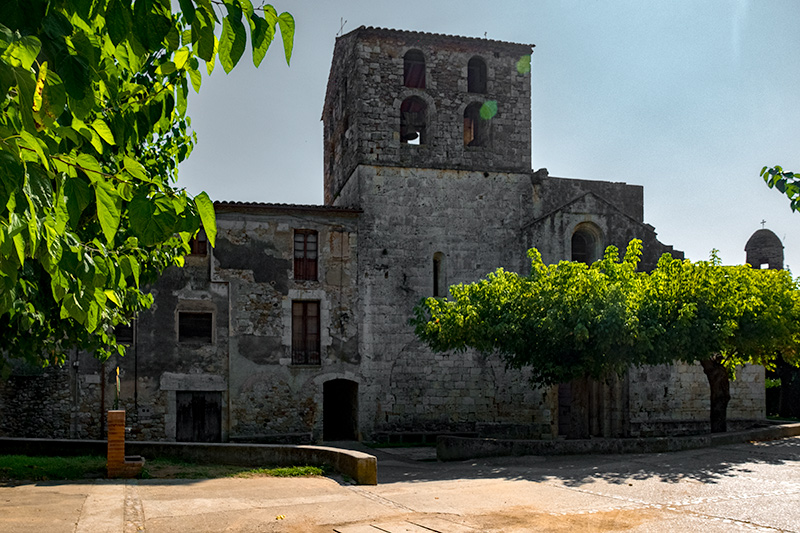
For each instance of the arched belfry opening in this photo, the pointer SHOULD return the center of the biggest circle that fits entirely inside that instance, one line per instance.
(414, 121)
(340, 410)
(476, 75)
(414, 69)
(586, 245)
(476, 128)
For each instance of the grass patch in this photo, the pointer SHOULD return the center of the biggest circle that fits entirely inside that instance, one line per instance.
(175, 469)
(28, 468)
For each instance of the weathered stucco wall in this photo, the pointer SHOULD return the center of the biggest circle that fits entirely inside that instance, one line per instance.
(270, 398)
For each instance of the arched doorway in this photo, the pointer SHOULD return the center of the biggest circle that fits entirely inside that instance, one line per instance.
(340, 410)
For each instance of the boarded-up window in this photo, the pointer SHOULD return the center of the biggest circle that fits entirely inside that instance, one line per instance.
(305, 333)
(199, 243)
(195, 327)
(305, 254)
(476, 75)
(414, 69)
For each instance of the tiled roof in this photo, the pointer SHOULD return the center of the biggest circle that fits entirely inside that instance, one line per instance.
(435, 35)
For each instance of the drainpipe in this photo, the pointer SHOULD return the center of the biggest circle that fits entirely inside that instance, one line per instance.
(102, 399)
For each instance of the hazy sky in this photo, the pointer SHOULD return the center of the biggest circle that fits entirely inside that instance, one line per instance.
(689, 98)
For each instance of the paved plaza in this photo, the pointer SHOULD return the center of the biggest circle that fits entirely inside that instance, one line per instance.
(741, 487)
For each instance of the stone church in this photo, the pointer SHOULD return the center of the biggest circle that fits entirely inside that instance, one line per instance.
(294, 327)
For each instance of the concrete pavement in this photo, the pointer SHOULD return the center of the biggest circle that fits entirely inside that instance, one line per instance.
(737, 487)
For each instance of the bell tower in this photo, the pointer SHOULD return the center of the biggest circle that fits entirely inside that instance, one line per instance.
(421, 100)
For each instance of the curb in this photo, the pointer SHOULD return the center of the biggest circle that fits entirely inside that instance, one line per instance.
(462, 448)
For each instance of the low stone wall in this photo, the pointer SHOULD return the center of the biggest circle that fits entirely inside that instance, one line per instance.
(449, 448)
(362, 467)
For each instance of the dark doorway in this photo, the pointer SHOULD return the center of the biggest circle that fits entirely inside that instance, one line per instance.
(199, 416)
(340, 410)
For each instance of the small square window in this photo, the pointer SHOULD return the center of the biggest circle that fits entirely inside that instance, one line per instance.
(195, 327)
(125, 333)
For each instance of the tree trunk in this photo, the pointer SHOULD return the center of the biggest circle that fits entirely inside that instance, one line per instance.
(790, 390)
(720, 394)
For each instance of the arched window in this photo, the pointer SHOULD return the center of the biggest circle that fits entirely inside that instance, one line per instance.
(586, 243)
(476, 129)
(439, 284)
(413, 120)
(476, 75)
(414, 69)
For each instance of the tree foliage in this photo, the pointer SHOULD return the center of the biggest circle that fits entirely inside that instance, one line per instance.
(93, 125)
(570, 320)
(786, 182)
(563, 321)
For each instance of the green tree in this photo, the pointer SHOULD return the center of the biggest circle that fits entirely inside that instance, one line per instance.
(92, 128)
(721, 317)
(569, 321)
(786, 182)
(564, 321)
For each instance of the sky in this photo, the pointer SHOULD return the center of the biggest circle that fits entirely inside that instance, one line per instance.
(688, 98)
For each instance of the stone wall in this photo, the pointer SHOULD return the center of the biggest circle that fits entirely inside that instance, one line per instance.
(675, 399)
(472, 219)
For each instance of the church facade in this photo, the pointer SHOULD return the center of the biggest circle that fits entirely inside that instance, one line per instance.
(294, 327)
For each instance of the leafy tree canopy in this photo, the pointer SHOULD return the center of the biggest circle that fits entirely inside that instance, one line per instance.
(569, 321)
(563, 321)
(93, 126)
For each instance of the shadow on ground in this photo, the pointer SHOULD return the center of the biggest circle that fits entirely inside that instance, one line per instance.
(706, 465)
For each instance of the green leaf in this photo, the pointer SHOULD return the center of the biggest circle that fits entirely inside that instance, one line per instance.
(261, 35)
(108, 208)
(78, 196)
(118, 20)
(187, 7)
(231, 42)
(286, 23)
(205, 207)
(34, 144)
(183, 94)
(103, 131)
(152, 21)
(22, 52)
(165, 69)
(111, 295)
(194, 75)
(181, 57)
